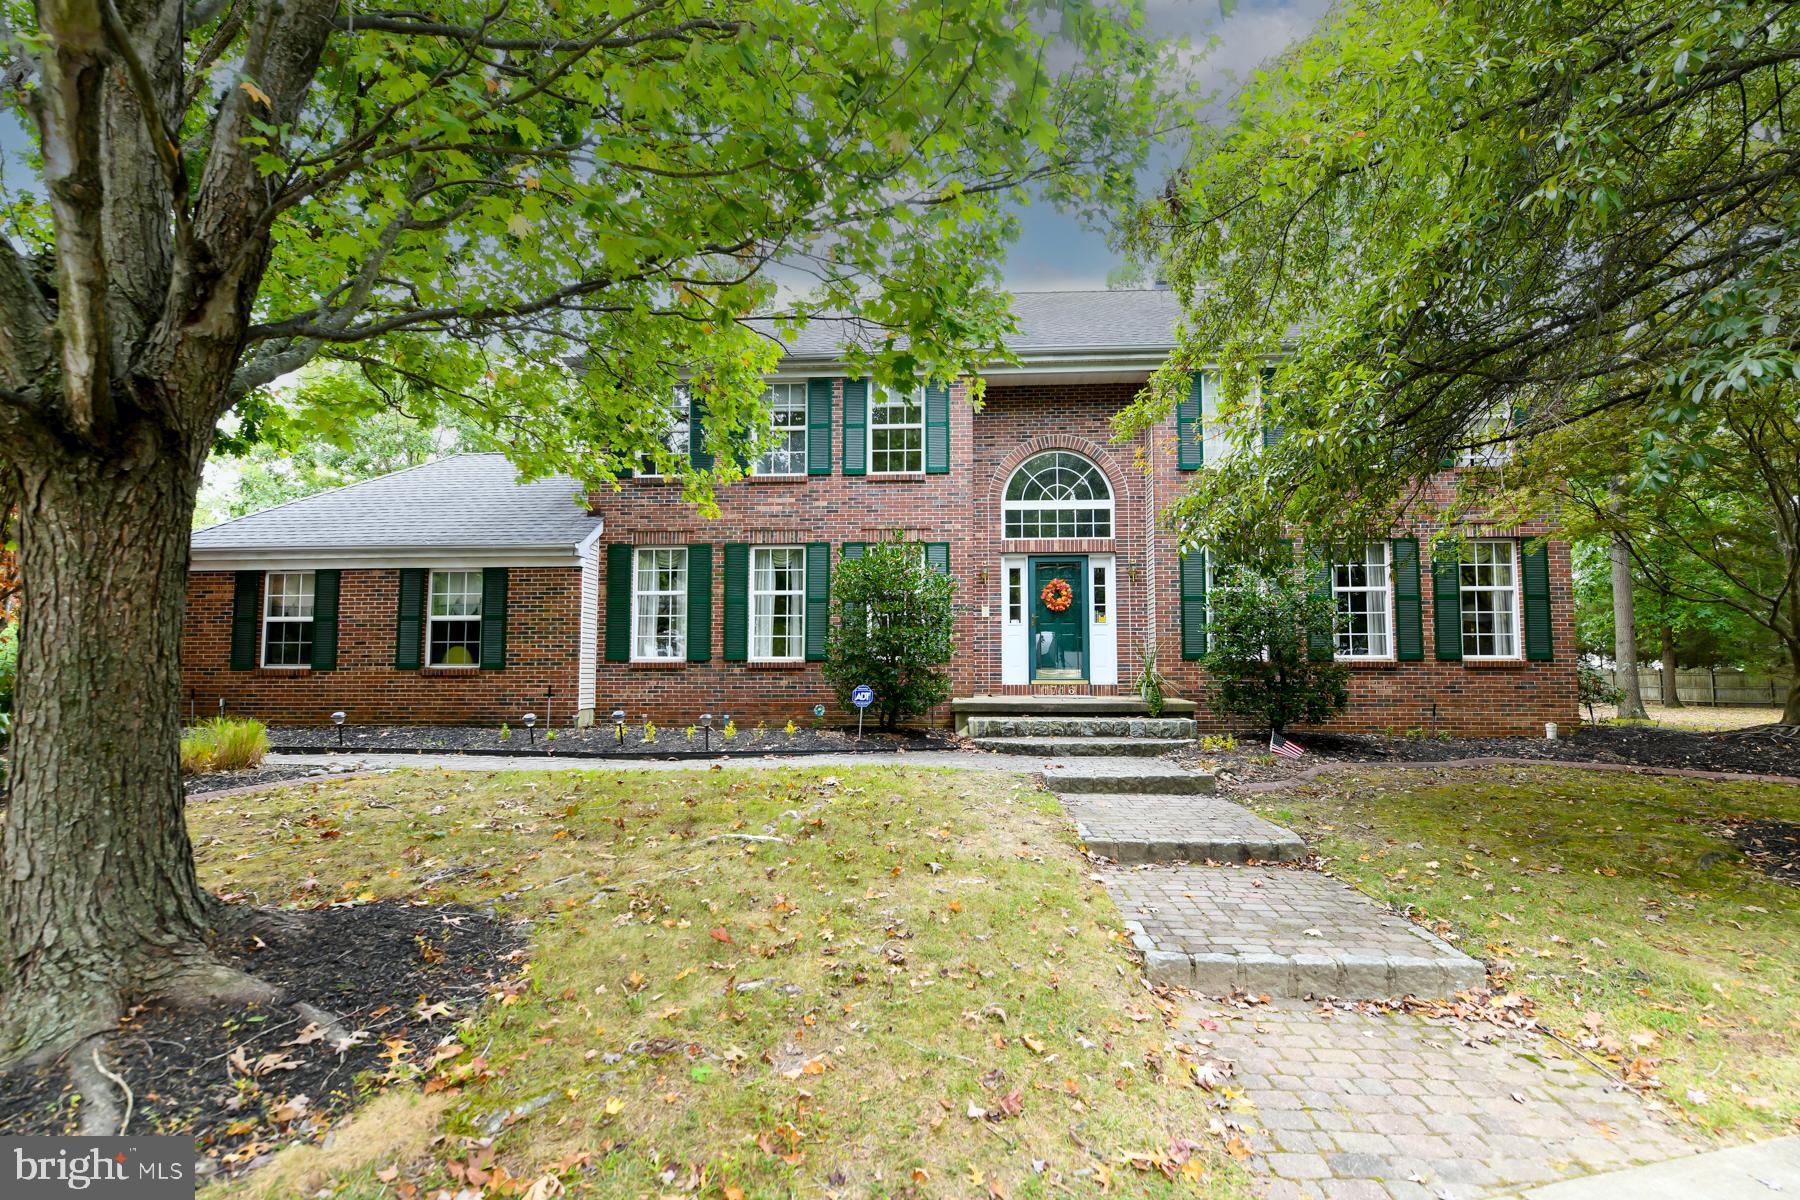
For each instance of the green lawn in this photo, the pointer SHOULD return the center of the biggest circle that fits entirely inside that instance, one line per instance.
(932, 996)
(1638, 929)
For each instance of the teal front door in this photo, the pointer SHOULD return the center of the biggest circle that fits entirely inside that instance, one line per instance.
(1058, 638)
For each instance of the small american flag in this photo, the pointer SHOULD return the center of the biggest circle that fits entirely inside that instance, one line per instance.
(1284, 747)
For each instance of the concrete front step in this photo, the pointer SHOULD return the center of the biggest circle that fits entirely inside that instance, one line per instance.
(1119, 775)
(1082, 747)
(1178, 829)
(1282, 933)
(1176, 728)
(968, 708)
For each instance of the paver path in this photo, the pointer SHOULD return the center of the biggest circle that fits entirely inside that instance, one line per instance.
(1165, 828)
(1350, 1104)
(1281, 932)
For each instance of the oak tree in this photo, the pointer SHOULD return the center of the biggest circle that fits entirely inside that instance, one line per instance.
(541, 213)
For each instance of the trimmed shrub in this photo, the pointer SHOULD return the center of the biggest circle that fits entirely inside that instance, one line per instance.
(1271, 638)
(894, 630)
(223, 744)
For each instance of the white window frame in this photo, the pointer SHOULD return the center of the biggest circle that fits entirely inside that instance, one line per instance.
(876, 397)
(762, 641)
(310, 600)
(1015, 594)
(678, 438)
(1385, 589)
(433, 618)
(678, 565)
(1511, 591)
(1094, 509)
(794, 403)
(1100, 591)
(1496, 420)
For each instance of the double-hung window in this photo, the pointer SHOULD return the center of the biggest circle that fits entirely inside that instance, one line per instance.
(777, 603)
(1490, 600)
(897, 432)
(1360, 588)
(673, 431)
(786, 454)
(288, 619)
(659, 605)
(454, 636)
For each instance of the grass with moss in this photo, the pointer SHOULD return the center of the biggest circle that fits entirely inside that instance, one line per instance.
(1617, 902)
(861, 982)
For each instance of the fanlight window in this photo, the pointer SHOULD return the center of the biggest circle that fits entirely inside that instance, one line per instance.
(1058, 495)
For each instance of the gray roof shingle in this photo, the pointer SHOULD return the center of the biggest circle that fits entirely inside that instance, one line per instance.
(467, 501)
(1123, 319)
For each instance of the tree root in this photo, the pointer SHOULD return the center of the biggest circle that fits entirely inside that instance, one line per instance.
(208, 983)
(99, 1090)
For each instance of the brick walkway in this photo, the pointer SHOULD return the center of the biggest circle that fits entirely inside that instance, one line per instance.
(1281, 932)
(1353, 1106)
(1152, 828)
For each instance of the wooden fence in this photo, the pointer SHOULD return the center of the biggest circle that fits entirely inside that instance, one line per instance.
(1726, 687)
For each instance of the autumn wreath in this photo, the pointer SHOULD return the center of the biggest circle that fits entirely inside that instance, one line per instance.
(1057, 595)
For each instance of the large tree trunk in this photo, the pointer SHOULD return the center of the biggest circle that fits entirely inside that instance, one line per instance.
(1671, 695)
(99, 902)
(1790, 713)
(1625, 655)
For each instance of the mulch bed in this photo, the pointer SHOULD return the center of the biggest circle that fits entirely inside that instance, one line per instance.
(1762, 750)
(217, 781)
(601, 740)
(245, 1082)
(1773, 846)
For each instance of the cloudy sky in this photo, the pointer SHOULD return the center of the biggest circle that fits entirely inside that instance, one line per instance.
(1054, 251)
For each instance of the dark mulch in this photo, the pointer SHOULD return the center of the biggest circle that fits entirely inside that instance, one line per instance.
(1762, 750)
(1774, 846)
(244, 1082)
(601, 740)
(216, 781)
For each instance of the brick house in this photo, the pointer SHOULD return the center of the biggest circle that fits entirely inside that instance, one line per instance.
(452, 593)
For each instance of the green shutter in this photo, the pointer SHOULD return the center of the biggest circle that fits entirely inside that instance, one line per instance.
(699, 600)
(618, 602)
(937, 429)
(700, 455)
(737, 602)
(854, 549)
(409, 619)
(856, 426)
(1409, 634)
(937, 557)
(818, 426)
(1536, 572)
(854, 612)
(1271, 430)
(818, 599)
(1190, 440)
(325, 620)
(1446, 604)
(1193, 605)
(493, 618)
(1322, 647)
(246, 605)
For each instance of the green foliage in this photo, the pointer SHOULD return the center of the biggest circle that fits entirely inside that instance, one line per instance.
(1468, 221)
(1594, 688)
(1152, 687)
(1707, 633)
(894, 630)
(332, 428)
(1261, 621)
(9, 663)
(223, 744)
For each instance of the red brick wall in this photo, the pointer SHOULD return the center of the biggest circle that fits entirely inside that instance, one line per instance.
(543, 617)
(961, 508)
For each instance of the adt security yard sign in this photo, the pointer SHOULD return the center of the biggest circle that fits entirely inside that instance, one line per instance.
(862, 695)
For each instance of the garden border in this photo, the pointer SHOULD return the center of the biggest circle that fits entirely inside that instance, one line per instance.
(1450, 764)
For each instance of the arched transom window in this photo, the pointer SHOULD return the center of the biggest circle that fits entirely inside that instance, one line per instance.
(1058, 495)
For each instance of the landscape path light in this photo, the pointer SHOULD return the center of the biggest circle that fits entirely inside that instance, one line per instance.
(619, 726)
(337, 718)
(706, 731)
(531, 726)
